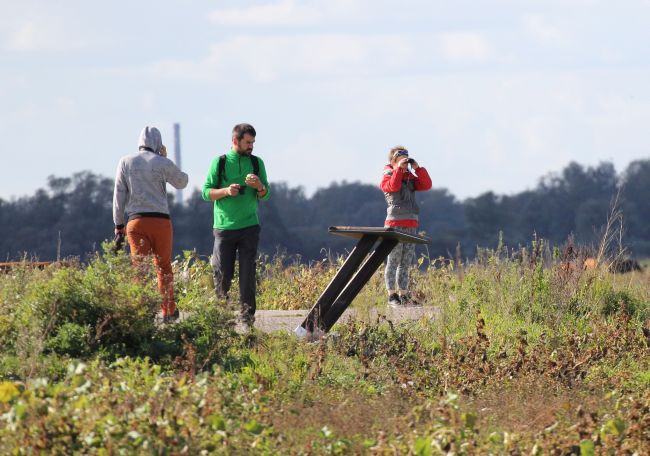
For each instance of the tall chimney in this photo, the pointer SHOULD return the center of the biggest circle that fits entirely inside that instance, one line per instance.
(177, 157)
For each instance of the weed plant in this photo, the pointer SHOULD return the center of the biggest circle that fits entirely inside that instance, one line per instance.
(528, 353)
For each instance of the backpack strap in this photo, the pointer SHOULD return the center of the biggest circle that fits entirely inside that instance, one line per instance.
(256, 165)
(221, 170)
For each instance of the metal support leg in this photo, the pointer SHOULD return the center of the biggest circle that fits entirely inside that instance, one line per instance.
(339, 281)
(356, 284)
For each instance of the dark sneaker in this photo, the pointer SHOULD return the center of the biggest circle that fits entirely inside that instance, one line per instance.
(394, 300)
(409, 301)
(173, 318)
(247, 318)
(244, 323)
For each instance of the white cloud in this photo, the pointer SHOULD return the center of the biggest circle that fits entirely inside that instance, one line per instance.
(26, 37)
(148, 101)
(464, 47)
(65, 106)
(267, 58)
(33, 35)
(539, 27)
(284, 12)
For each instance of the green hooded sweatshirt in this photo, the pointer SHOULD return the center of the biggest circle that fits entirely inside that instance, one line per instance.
(235, 212)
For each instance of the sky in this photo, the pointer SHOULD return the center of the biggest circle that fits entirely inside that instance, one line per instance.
(486, 94)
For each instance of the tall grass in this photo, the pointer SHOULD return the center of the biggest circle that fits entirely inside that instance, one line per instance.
(85, 368)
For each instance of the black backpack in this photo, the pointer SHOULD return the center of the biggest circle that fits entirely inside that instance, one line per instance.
(221, 168)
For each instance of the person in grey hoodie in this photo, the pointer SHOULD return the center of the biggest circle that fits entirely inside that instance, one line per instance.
(140, 193)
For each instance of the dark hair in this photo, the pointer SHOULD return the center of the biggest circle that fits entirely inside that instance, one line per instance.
(243, 129)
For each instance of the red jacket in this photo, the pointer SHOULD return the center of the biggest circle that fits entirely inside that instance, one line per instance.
(399, 188)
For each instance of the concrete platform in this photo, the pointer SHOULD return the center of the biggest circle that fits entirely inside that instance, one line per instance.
(288, 320)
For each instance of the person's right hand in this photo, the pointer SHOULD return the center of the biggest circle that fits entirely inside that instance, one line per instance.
(232, 190)
(402, 163)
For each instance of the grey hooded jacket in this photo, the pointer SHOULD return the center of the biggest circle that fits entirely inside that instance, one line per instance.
(141, 178)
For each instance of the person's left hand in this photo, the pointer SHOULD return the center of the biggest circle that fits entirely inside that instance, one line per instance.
(414, 165)
(120, 231)
(253, 181)
(163, 151)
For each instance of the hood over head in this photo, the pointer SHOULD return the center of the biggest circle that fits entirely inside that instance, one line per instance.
(150, 138)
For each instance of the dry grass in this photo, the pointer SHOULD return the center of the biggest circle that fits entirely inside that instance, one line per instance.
(348, 414)
(530, 405)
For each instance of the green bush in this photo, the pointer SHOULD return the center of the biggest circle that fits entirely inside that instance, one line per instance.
(623, 301)
(71, 339)
(107, 308)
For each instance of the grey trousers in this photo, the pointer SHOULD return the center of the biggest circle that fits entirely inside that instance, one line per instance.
(398, 263)
(227, 244)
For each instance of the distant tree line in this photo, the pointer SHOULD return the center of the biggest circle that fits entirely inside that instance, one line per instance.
(73, 215)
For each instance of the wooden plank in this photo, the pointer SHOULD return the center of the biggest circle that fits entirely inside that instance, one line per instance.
(346, 284)
(355, 285)
(8, 266)
(337, 283)
(358, 232)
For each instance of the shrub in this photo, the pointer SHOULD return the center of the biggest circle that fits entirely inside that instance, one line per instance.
(106, 309)
(614, 301)
(71, 339)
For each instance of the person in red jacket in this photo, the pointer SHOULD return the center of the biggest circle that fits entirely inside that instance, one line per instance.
(402, 177)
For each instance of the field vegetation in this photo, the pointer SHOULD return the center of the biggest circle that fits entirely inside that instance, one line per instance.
(529, 353)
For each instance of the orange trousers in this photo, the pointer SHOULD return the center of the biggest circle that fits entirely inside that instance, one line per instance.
(152, 236)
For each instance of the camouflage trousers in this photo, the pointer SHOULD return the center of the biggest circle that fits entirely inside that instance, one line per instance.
(399, 262)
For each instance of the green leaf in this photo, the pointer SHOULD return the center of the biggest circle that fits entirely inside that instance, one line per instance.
(21, 410)
(8, 392)
(614, 427)
(469, 419)
(587, 448)
(254, 427)
(496, 437)
(422, 446)
(326, 432)
(217, 422)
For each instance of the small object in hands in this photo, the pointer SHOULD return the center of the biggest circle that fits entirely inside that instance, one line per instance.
(119, 242)
(250, 179)
(410, 168)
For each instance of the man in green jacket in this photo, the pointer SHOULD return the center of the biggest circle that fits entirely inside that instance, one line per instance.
(236, 182)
